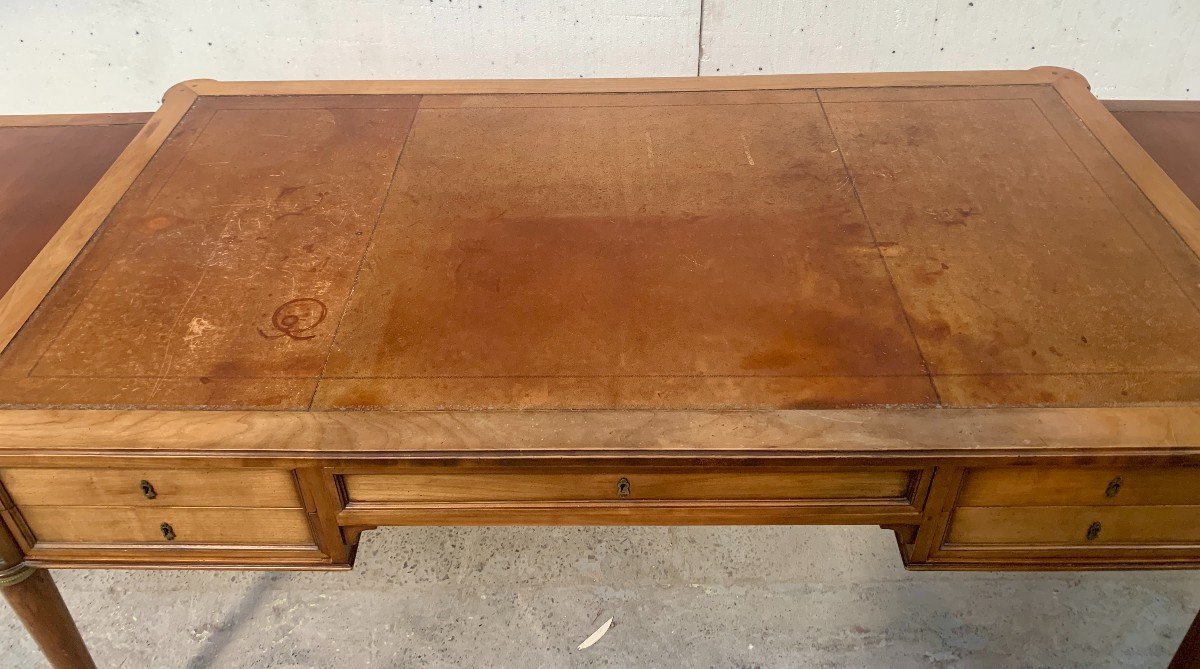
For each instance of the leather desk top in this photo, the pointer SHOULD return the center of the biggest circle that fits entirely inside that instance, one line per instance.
(795, 248)
(945, 240)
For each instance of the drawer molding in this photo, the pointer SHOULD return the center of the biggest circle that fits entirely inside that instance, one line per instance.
(633, 495)
(152, 556)
(582, 513)
(632, 485)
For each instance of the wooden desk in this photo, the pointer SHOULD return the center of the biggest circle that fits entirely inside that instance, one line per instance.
(958, 305)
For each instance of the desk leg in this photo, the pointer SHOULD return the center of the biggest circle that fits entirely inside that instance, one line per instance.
(1188, 655)
(34, 598)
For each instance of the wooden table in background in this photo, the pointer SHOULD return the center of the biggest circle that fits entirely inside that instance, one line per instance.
(959, 305)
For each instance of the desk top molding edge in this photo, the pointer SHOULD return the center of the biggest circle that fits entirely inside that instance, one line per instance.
(288, 437)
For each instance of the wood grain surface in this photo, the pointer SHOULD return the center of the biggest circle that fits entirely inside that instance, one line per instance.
(1076, 526)
(188, 525)
(1088, 486)
(292, 438)
(457, 486)
(163, 487)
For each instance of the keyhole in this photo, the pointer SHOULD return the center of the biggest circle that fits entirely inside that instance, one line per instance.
(148, 490)
(623, 488)
(1113, 488)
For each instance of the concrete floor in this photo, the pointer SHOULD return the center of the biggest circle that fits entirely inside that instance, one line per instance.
(680, 597)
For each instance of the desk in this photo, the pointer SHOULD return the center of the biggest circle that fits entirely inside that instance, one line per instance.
(957, 305)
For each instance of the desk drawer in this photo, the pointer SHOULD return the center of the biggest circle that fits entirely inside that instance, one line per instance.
(1069, 486)
(151, 487)
(1082, 526)
(167, 525)
(441, 487)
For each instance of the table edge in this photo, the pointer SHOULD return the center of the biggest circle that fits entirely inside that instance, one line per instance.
(212, 87)
(58, 120)
(1172, 431)
(1152, 106)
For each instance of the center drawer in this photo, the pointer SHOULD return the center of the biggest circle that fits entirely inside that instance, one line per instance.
(872, 485)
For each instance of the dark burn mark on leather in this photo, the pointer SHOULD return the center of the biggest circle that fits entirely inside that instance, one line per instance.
(295, 317)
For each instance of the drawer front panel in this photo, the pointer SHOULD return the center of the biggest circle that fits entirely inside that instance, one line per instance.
(1090, 486)
(617, 486)
(121, 525)
(1074, 526)
(273, 488)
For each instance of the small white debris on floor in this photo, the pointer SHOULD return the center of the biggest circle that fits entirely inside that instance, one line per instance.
(596, 636)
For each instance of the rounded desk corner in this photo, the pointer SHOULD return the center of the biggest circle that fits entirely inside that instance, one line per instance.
(1063, 75)
(192, 87)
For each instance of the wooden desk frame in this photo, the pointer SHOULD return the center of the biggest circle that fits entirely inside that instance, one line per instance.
(940, 447)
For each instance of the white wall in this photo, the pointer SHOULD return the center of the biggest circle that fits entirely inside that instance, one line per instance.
(1126, 48)
(120, 55)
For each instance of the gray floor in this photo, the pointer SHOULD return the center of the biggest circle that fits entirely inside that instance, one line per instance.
(680, 597)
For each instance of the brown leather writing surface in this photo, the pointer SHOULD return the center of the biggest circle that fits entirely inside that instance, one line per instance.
(47, 169)
(1025, 282)
(643, 254)
(1169, 131)
(966, 245)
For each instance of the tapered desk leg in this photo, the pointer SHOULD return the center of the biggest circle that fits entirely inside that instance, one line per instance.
(34, 598)
(1188, 655)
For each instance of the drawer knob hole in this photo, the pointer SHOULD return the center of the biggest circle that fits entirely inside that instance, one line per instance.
(1113, 488)
(623, 489)
(147, 489)
(1093, 531)
(168, 532)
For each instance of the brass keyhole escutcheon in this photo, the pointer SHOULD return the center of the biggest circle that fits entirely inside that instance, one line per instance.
(147, 489)
(1114, 487)
(168, 532)
(1093, 531)
(623, 489)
